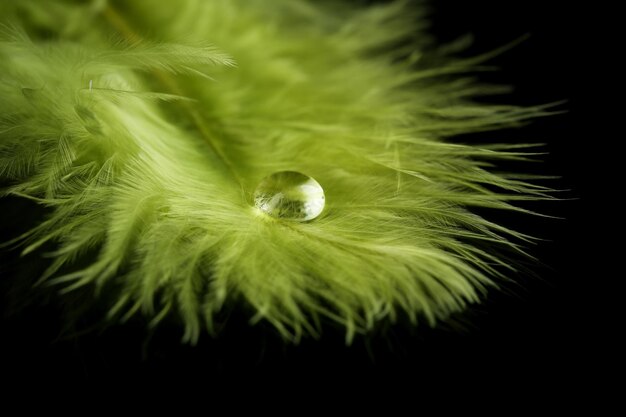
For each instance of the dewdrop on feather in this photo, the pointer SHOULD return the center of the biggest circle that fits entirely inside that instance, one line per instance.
(290, 195)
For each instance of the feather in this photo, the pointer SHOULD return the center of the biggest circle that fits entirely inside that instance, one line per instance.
(147, 144)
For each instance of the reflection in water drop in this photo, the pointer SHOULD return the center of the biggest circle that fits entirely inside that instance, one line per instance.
(290, 195)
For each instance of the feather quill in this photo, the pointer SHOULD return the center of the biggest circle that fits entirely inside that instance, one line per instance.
(148, 149)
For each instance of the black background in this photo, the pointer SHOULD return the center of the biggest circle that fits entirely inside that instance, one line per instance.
(539, 329)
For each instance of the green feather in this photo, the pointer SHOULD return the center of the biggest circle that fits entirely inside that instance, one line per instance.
(147, 142)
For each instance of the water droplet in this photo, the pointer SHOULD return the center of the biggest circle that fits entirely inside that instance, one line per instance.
(290, 195)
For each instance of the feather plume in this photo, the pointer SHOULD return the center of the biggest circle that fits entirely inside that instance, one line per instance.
(146, 127)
